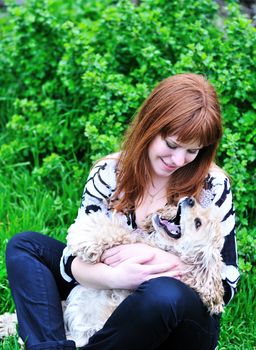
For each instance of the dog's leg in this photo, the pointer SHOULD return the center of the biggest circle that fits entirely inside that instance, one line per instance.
(213, 296)
(89, 237)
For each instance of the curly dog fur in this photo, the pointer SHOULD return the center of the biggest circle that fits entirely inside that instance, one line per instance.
(198, 246)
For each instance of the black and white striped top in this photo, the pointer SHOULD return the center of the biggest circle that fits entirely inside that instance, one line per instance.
(101, 184)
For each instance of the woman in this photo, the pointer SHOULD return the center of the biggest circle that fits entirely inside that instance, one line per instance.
(168, 153)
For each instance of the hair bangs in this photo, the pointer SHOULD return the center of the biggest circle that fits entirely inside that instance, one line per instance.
(199, 127)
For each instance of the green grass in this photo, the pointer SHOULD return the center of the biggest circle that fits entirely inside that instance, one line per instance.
(10, 343)
(28, 204)
(238, 329)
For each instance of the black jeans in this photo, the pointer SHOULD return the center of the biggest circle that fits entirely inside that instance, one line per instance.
(162, 313)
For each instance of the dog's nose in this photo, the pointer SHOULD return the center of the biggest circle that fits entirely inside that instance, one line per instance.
(190, 202)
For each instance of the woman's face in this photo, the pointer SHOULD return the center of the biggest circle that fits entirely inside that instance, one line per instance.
(166, 155)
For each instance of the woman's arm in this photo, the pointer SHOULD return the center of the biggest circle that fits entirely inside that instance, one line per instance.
(128, 274)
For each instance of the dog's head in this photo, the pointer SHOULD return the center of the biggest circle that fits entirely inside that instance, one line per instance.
(192, 222)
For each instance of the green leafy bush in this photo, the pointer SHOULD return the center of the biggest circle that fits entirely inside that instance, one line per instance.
(73, 74)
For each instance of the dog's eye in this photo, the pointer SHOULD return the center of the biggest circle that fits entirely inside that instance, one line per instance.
(198, 223)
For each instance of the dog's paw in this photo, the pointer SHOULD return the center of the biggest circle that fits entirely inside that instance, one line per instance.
(8, 324)
(216, 309)
(215, 304)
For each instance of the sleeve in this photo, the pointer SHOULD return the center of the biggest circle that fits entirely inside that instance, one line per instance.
(100, 185)
(222, 198)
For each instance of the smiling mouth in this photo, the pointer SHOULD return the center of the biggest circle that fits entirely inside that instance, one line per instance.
(169, 166)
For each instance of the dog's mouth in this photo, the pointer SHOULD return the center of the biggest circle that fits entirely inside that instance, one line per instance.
(171, 227)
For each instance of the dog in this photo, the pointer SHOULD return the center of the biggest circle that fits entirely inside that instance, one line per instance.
(191, 232)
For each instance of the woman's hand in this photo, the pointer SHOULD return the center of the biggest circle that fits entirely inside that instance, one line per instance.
(118, 254)
(148, 256)
(130, 273)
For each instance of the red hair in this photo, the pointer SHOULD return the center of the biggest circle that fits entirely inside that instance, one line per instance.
(184, 105)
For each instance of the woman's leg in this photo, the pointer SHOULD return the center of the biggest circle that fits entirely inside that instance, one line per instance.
(162, 313)
(32, 262)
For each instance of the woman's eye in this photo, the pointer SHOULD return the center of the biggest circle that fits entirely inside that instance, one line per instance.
(170, 145)
(193, 151)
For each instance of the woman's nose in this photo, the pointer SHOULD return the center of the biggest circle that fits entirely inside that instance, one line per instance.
(179, 157)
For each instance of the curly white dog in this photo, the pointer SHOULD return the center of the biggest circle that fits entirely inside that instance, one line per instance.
(197, 240)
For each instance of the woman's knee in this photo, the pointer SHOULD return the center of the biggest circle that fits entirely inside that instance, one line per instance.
(20, 244)
(164, 290)
(163, 298)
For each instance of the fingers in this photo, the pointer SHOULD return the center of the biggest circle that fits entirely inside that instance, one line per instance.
(173, 273)
(158, 269)
(111, 260)
(119, 254)
(142, 259)
(109, 252)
